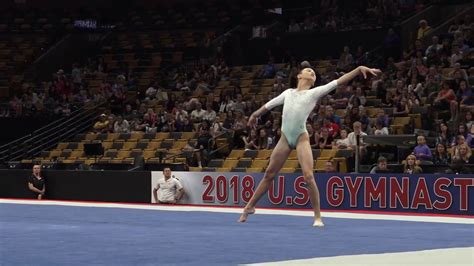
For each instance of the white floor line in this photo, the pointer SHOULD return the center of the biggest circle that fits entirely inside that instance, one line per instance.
(448, 256)
(344, 215)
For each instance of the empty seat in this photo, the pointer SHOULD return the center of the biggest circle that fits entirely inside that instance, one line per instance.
(263, 154)
(230, 163)
(250, 154)
(258, 163)
(216, 163)
(291, 164)
(244, 163)
(236, 154)
(254, 170)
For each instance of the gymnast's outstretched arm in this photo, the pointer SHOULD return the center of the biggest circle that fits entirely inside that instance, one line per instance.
(322, 91)
(279, 100)
(365, 71)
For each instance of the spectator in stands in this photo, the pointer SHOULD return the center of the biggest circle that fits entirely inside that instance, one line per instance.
(313, 137)
(129, 114)
(150, 125)
(216, 127)
(382, 118)
(110, 125)
(381, 166)
(435, 46)
(443, 137)
(456, 144)
(410, 165)
(210, 113)
(229, 120)
(268, 71)
(226, 104)
(203, 146)
(464, 155)
(168, 190)
(446, 99)
(462, 132)
(343, 142)
(352, 138)
(325, 139)
(422, 151)
(441, 155)
(341, 97)
(239, 105)
(264, 142)
(240, 123)
(465, 97)
(294, 27)
(456, 54)
(102, 125)
(121, 125)
(36, 183)
(330, 114)
(198, 114)
(251, 140)
(333, 128)
(179, 113)
(380, 129)
(185, 126)
(330, 166)
(470, 136)
(346, 60)
(423, 29)
(401, 107)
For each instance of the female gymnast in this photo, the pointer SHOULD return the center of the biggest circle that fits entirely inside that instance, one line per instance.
(297, 105)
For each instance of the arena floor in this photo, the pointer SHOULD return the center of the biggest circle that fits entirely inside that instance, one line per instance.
(79, 233)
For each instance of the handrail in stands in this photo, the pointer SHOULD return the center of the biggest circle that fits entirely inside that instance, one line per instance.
(35, 142)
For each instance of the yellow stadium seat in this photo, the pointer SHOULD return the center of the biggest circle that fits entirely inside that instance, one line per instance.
(263, 154)
(254, 170)
(62, 145)
(230, 163)
(291, 164)
(327, 153)
(112, 136)
(320, 165)
(236, 154)
(287, 170)
(162, 135)
(223, 169)
(129, 145)
(293, 155)
(123, 154)
(259, 163)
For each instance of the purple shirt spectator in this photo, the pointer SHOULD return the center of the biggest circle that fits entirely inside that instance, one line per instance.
(423, 152)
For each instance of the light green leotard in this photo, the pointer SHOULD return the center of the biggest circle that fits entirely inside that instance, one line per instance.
(297, 105)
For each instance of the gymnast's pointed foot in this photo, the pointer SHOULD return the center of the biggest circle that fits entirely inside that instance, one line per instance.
(246, 213)
(318, 222)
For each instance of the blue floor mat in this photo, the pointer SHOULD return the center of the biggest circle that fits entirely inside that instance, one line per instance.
(63, 235)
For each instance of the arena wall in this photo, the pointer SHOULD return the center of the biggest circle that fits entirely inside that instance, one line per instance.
(394, 193)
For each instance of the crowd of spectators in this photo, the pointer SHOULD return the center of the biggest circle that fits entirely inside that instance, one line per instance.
(334, 15)
(433, 80)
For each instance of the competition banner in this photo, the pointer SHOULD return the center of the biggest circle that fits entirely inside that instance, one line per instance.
(441, 194)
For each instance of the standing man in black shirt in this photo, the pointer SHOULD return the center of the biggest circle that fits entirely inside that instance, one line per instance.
(36, 182)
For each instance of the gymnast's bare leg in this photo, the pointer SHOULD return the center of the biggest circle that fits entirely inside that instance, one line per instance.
(277, 159)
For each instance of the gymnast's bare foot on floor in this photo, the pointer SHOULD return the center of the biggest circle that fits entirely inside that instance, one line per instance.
(245, 214)
(318, 222)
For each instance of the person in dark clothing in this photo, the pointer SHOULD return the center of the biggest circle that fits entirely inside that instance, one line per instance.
(203, 146)
(36, 182)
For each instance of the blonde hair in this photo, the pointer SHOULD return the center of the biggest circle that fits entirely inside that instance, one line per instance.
(405, 163)
(468, 151)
